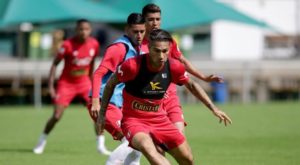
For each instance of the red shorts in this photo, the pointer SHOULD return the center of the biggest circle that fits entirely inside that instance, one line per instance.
(173, 108)
(163, 132)
(67, 91)
(113, 119)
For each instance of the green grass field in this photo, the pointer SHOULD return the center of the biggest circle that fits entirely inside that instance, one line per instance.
(261, 134)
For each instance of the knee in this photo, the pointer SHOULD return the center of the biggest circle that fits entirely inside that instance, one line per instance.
(187, 159)
(56, 117)
(145, 147)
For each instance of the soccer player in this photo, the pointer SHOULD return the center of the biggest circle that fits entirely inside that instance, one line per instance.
(78, 53)
(123, 48)
(152, 15)
(145, 123)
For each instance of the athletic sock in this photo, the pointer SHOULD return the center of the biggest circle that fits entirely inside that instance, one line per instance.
(133, 158)
(119, 155)
(39, 148)
(101, 145)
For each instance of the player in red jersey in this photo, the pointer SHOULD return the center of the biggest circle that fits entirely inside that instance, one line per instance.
(126, 46)
(152, 15)
(145, 123)
(78, 53)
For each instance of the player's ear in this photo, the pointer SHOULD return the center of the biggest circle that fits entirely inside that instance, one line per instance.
(126, 29)
(149, 45)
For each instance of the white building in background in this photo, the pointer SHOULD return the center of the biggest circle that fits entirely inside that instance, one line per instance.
(236, 41)
(281, 14)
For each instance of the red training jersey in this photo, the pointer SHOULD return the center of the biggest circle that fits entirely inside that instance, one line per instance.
(129, 70)
(114, 56)
(77, 57)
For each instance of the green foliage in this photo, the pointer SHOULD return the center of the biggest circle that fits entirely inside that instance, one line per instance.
(261, 134)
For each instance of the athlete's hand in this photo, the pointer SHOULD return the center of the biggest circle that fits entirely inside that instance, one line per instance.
(95, 109)
(214, 78)
(52, 92)
(222, 116)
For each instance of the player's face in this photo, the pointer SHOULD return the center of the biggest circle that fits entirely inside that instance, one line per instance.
(83, 30)
(158, 52)
(136, 33)
(152, 21)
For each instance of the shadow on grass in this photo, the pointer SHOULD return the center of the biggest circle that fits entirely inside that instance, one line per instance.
(16, 150)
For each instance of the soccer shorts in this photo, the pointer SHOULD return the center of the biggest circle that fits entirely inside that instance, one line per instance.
(67, 91)
(113, 120)
(171, 105)
(163, 133)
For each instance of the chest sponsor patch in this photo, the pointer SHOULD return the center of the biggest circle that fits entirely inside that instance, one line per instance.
(144, 106)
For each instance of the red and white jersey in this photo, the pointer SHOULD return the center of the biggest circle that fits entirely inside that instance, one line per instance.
(77, 57)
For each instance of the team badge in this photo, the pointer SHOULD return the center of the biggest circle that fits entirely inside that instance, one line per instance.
(186, 74)
(75, 53)
(92, 52)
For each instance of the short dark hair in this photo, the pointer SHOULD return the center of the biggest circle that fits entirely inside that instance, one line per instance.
(78, 22)
(150, 8)
(135, 18)
(160, 35)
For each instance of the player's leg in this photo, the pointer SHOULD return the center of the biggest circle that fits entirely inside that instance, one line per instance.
(119, 154)
(100, 138)
(57, 114)
(133, 158)
(182, 154)
(173, 108)
(100, 142)
(113, 126)
(64, 96)
(138, 134)
(145, 144)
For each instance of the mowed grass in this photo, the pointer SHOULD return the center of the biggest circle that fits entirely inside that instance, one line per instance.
(261, 134)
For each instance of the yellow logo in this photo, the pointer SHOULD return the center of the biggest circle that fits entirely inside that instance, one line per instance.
(155, 86)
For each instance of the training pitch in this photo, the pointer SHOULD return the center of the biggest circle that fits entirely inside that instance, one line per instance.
(261, 134)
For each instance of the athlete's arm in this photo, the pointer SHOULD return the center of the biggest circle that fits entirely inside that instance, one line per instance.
(96, 83)
(91, 71)
(108, 91)
(192, 70)
(51, 78)
(179, 76)
(198, 92)
(177, 54)
(114, 56)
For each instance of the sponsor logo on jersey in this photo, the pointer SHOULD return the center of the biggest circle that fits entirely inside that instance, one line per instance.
(155, 86)
(82, 61)
(144, 106)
